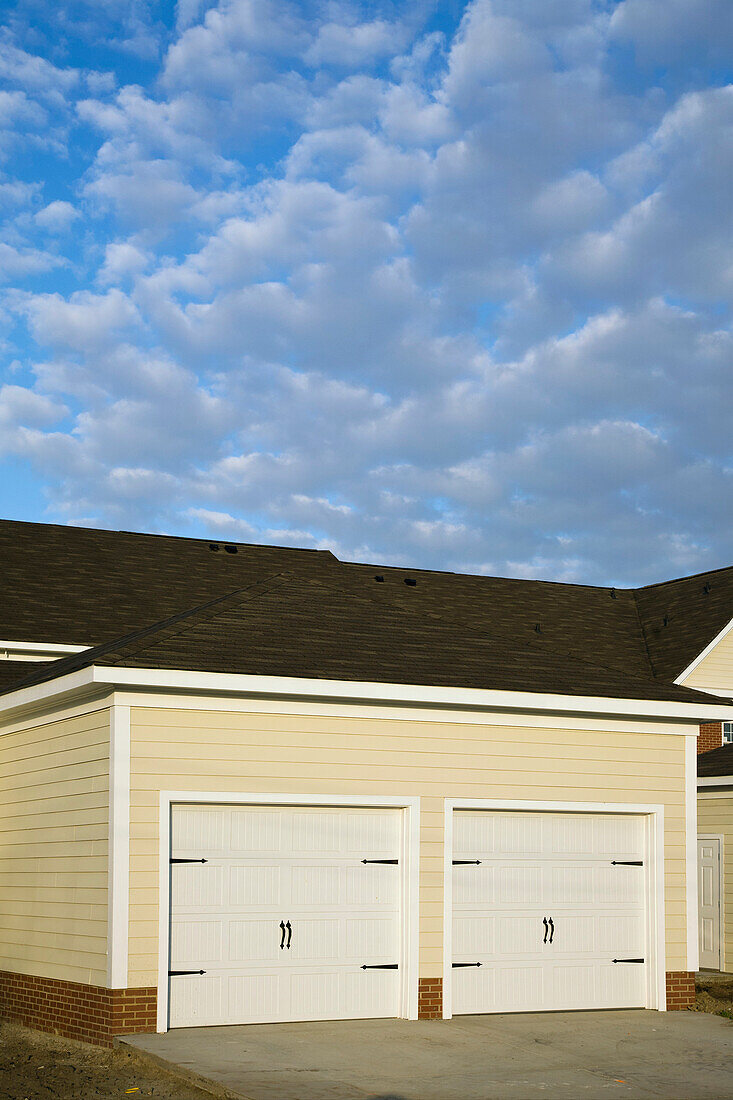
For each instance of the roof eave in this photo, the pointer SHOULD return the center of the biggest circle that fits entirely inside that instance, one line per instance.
(95, 679)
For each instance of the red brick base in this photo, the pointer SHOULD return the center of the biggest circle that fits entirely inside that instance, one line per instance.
(680, 989)
(711, 736)
(86, 1012)
(430, 999)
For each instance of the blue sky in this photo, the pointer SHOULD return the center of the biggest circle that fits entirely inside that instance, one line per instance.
(434, 283)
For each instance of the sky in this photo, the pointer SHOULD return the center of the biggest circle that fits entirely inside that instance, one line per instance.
(421, 282)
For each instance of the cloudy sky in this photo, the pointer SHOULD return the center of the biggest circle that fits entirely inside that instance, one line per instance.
(419, 281)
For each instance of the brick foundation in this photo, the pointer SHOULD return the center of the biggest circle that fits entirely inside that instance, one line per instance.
(86, 1012)
(680, 989)
(711, 736)
(430, 999)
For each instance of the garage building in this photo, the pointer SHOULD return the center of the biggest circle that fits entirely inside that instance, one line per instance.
(247, 784)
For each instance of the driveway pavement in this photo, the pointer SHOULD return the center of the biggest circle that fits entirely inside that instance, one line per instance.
(557, 1056)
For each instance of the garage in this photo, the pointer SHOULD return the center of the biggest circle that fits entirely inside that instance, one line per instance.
(549, 911)
(282, 913)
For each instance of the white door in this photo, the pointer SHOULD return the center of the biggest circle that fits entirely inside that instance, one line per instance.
(284, 913)
(548, 912)
(708, 885)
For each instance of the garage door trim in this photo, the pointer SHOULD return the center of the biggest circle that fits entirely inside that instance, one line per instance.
(653, 870)
(409, 860)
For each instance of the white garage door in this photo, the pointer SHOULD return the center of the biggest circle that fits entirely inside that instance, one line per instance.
(284, 913)
(549, 912)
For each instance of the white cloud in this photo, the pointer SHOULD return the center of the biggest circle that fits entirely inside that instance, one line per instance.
(57, 217)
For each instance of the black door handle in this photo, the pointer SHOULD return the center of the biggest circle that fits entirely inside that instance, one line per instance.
(544, 921)
(282, 938)
(552, 929)
(290, 934)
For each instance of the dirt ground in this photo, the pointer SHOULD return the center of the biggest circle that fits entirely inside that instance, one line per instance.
(715, 996)
(34, 1066)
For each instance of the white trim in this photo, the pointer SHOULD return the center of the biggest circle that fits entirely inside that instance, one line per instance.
(693, 944)
(410, 858)
(656, 973)
(37, 651)
(231, 704)
(720, 837)
(363, 691)
(118, 899)
(701, 656)
(715, 781)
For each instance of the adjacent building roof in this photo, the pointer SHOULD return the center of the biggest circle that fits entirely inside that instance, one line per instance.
(716, 762)
(158, 601)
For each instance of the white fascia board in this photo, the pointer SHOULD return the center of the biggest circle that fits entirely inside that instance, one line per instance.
(37, 651)
(220, 683)
(701, 656)
(715, 781)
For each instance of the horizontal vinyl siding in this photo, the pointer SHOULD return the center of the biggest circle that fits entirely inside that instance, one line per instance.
(715, 671)
(715, 815)
(54, 796)
(312, 753)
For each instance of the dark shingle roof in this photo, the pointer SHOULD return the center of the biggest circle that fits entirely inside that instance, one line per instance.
(716, 761)
(12, 672)
(289, 626)
(336, 620)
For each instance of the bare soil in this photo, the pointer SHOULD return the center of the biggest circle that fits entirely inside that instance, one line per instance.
(715, 996)
(35, 1066)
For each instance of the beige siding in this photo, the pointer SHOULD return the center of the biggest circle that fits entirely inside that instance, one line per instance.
(715, 672)
(317, 753)
(54, 795)
(715, 815)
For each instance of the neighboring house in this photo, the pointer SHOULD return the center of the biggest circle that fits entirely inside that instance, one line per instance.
(715, 855)
(245, 783)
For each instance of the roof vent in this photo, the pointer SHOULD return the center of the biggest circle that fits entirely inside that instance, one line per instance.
(538, 628)
(230, 549)
(707, 587)
(410, 581)
(379, 579)
(613, 593)
(213, 546)
(665, 620)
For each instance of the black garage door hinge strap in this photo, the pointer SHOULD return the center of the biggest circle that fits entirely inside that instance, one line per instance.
(380, 966)
(463, 862)
(457, 965)
(177, 859)
(627, 862)
(627, 960)
(393, 861)
(177, 973)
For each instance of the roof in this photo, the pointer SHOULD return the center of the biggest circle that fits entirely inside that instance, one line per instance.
(286, 625)
(716, 762)
(338, 620)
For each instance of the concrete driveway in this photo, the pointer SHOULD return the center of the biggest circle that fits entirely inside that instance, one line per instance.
(558, 1056)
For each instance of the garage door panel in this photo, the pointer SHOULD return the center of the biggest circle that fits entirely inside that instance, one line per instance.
(198, 998)
(255, 885)
(254, 830)
(255, 997)
(254, 941)
(298, 868)
(198, 886)
(372, 885)
(558, 868)
(317, 885)
(197, 939)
